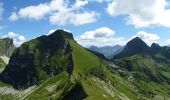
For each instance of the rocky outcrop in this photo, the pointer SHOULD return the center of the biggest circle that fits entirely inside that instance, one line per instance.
(39, 59)
(6, 47)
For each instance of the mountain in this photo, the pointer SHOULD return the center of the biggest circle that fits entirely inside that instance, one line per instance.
(59, 67)
(134, 46)
(138, 46)
(55, 67)
(147, 65)
(100, 55)
(6, 49)
(155, 48)
(108, 51)
(38, 59)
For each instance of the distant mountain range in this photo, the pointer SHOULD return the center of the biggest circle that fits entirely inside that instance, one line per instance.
(108, 51)
(138, 46)
(56, 67)
(145, 63)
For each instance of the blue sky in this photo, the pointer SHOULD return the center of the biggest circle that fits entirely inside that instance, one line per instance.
(92, 22)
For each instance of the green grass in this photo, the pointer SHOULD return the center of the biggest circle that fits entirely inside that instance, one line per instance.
(2, 84)
(41, 92)
(8, 97)
(2, 63)
(84, 61)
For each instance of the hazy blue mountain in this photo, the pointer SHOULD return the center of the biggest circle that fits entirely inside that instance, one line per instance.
(108, 51)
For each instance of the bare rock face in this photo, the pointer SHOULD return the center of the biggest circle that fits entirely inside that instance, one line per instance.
(6, 47)
(39, 59)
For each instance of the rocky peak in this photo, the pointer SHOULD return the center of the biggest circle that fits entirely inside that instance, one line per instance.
(155, 48)
(6, 47)
(61, 33)
(134, 46)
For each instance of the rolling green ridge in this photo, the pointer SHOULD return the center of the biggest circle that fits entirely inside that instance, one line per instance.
(56, 67)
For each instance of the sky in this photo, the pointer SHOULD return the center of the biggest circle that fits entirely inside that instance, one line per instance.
(92, 22)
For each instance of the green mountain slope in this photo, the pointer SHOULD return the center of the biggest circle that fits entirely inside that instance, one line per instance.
(40, 61)
(2, 63)
(150, 77)
(55, 67)
(150, 68)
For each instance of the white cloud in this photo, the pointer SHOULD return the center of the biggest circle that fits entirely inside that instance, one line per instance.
(10, 35)
(166, 43)
(34, 12)
(58, 11)
(1, 9)
(99, 1)
(53, 30)
(105, 37)
(103, 32)
(142, 13)
(80, 3)
(149, 38)
(13, 16)
(17, 39)
(83, 18)
(100, 37)
(73, 18)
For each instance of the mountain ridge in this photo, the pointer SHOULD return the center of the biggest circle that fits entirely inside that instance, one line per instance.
(56, 67)
(36, 54)
(134, 46)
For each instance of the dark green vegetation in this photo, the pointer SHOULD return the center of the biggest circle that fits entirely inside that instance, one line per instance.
(39, 59)
(148, 66)
(60, 69)
(2, 63)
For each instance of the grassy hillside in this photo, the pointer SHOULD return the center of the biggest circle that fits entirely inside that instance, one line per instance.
(150, 78)
(84, 63)
(55, 67)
